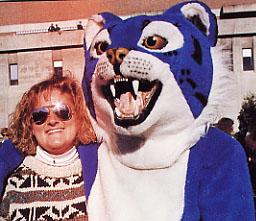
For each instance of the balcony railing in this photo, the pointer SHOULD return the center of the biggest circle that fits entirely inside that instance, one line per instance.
(36, 31)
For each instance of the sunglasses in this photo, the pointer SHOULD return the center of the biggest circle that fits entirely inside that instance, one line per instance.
(62, 111)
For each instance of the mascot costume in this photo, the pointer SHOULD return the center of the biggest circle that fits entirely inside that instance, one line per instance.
(153, 85)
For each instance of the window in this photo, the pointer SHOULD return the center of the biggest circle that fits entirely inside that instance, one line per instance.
(248, 64)
(13, 74)
(57, 65)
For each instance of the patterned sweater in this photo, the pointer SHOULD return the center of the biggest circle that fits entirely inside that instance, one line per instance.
(38, 191)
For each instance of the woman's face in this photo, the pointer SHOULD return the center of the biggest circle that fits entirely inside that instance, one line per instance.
(55, 135)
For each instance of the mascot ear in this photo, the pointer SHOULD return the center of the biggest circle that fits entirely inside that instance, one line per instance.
(201, 16)
(96, 23)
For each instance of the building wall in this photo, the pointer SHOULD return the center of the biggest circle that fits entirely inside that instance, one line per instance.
(235, 34)
(34, 54)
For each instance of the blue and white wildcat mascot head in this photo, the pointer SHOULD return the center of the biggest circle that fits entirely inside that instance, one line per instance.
(151, 85)
(151, 79)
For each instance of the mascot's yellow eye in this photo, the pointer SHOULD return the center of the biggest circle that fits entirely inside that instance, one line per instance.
(101, 47)
(154, 42)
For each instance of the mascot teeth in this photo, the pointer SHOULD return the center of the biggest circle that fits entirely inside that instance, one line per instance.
(113, 90)
(131, 99)
(135, 85)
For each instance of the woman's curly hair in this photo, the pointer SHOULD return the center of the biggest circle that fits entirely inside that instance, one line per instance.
(20, 124)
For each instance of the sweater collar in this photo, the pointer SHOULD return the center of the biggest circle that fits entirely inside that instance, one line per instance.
(57, 160)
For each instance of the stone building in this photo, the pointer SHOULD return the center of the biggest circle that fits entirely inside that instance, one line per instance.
(29, 52)
(33, 54)
(237, 32)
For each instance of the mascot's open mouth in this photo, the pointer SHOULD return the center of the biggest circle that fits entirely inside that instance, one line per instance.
(131, 99)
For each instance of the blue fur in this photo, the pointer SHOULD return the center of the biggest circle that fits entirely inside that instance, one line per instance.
(217, 172)
(89, 158)
(10, 158)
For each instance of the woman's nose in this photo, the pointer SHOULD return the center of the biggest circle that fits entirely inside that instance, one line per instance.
(52, 119)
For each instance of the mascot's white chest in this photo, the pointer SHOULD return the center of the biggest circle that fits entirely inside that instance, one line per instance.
(121, 193)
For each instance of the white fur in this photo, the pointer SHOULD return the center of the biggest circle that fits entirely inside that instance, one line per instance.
(94, 24)
(168, 121)
(223, 84)
(100, 36)
(168, 31)
(191, 9)
(123, 193)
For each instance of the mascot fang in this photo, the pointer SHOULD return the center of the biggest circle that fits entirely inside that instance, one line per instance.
(153, 87)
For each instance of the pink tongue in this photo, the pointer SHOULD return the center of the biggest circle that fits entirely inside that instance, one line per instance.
(127, 104)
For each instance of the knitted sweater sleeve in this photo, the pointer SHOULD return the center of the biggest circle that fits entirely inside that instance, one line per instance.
(10, 159)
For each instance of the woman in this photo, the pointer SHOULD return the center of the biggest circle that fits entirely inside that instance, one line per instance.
(48, 125)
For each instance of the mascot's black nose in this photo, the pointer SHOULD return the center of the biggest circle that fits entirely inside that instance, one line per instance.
(116, 56)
